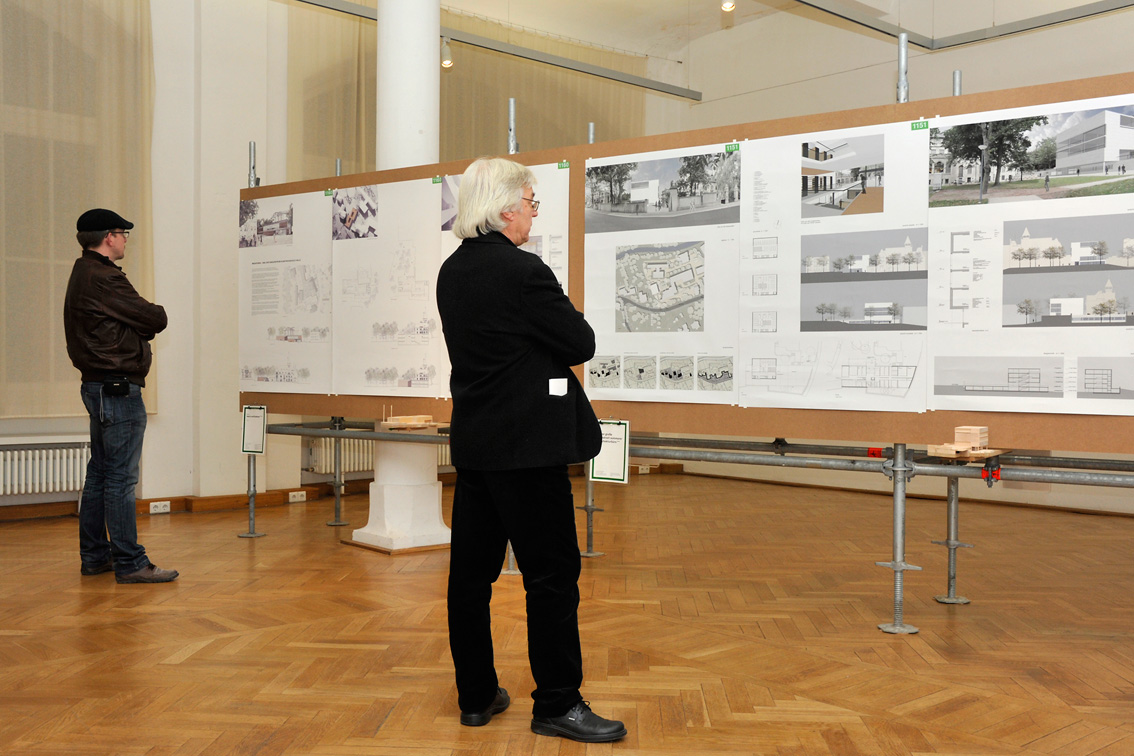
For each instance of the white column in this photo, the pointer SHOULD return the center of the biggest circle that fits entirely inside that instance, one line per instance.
(409, 83)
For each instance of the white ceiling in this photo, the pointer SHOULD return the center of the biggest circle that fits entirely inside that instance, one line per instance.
(663, 28)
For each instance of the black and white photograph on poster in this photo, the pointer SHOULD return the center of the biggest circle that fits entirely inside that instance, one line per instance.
(660, 288)
(865, 281)
(264, 222)
(1069, 272)
(1003, 377)
(843, 176)
(1083, 153)
(671, 192)
(355, 213)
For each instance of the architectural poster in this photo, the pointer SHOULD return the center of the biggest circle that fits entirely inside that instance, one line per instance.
(388, 339)
(285, 294)
(978, 262)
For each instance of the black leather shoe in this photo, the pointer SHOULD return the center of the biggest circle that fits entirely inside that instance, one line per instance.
(580, 724)
(148, 574)
(97, 569)
(481, 718)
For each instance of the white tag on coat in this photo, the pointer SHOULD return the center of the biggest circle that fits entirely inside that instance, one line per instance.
(557, 386)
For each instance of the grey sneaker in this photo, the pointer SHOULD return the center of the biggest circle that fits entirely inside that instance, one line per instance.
(148, 574)
(581, 724)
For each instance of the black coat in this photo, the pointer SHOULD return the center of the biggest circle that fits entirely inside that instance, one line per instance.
(510, 329)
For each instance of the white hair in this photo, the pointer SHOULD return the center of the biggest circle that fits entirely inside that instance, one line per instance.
(489, 187)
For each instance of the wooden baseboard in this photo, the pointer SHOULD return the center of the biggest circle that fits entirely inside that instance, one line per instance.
(37, 511)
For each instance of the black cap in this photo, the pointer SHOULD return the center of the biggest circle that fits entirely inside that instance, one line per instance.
(101, 220)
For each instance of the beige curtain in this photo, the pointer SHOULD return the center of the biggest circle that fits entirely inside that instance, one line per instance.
(331, 91)
(553, 105)
(76, 106)
(331, 74)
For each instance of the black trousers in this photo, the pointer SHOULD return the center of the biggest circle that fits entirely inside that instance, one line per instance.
(533, 508)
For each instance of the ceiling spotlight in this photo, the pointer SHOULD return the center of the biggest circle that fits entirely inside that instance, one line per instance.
(446, 53)
(728, 7)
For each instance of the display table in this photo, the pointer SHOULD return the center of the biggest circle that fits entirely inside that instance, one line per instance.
(405, 497)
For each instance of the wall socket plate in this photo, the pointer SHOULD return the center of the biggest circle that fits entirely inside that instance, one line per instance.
(294, 496)
(159, 507)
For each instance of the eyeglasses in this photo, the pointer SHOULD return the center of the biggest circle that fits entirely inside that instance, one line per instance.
(123, 234)
(535, 203)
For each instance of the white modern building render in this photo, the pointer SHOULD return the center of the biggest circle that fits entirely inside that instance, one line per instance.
(1104, 142)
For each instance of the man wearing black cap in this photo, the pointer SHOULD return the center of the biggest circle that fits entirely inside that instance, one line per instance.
(109, 327)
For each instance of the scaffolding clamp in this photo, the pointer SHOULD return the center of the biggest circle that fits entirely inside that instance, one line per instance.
(779, 446)
(991, 470)
(888, 470)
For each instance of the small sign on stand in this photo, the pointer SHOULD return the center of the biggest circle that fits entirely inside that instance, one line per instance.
(612, 465)
(253, 442)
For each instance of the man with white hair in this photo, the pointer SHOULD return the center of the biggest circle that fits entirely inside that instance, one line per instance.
(520, 417)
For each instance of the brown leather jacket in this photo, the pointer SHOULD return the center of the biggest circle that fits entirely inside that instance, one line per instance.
(107, 323)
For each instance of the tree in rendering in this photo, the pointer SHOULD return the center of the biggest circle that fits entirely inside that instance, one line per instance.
(895, 312)
(1052, 254)
(1099, 250)
(893, 259)
(1127, 252)
(1027, 308)
(874, 260)
(614, 176)
(1007, 142)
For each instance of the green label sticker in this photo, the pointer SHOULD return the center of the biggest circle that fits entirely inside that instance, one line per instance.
(564, 164)
(328, 192)
(919, 125)
(436, 179)
(731, 147)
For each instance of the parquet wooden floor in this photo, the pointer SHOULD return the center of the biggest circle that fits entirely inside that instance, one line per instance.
(726, 618)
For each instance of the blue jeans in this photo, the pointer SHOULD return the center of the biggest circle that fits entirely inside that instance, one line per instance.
(108, 525)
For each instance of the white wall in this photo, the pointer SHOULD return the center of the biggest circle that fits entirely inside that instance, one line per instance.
(221, 77)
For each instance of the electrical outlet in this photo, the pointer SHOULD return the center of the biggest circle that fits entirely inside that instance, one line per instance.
(643, 469)
(159, 507)
(294, 496)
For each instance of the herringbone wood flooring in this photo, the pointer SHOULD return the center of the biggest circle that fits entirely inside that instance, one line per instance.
(726, 618)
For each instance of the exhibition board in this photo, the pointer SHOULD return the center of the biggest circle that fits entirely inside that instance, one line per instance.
(747, 248)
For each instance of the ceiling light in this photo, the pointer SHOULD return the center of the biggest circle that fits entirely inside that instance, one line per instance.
(446, 53)
(728, 7)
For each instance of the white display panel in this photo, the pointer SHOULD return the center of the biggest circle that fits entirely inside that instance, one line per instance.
(388, 339)
(285, 295)
(662, 247)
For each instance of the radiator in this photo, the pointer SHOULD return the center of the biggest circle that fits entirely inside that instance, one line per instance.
(51, 468)
(357, 455)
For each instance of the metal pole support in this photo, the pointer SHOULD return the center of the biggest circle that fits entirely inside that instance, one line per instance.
(898, 563)
(337, 423)
(251, 500)
(952, 522)
(590, 509)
